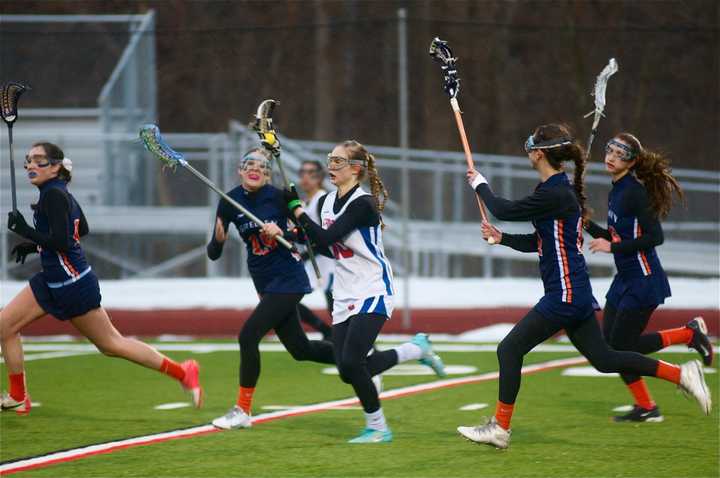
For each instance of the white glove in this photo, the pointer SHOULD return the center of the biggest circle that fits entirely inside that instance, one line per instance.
(477, 181)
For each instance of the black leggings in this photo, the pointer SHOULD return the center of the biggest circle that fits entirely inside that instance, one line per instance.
(534, 329)
(307, 316)
(623, 330)
(279, 312)
(352, 340)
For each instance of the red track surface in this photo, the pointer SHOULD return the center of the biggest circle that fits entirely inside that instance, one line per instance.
(223, 322)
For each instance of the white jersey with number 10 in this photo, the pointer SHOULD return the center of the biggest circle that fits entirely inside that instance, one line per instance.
(363, 277)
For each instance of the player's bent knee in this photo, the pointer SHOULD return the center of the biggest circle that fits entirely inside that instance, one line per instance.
(349, 370)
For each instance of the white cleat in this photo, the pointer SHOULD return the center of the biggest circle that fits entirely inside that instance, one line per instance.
(233, 419)
(491, 434)
(692, 382)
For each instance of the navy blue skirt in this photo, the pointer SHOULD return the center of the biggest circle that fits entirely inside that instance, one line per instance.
(68, 301)
(632, 293)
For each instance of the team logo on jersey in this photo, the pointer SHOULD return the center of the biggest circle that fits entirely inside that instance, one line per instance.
(612, 215)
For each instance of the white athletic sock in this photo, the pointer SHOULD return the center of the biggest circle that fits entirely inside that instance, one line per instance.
(376, 420)
(408, 351)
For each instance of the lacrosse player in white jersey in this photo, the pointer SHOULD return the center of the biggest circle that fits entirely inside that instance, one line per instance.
(363, 290)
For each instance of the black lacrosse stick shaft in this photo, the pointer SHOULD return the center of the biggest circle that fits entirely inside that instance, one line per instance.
(12, 169)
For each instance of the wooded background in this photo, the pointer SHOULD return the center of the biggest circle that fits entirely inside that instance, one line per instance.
(334, 67)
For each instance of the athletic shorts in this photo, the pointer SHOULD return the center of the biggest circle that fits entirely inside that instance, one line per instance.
(568, 314)
(294, 281)
(343, 309)
(638, 292)
(67, 301)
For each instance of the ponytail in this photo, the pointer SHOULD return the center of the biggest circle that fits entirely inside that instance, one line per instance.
(653, 170)
(357, 152)
(569, 150)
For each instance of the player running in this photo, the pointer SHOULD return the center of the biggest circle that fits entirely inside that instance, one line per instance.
(363, 287)
(66, 287)
(641, 195)
(277, 273)
(556, 209)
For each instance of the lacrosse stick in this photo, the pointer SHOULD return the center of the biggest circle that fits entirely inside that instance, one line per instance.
(155, 144)
(599, 93)
(11, 92)
(440, 51)
(264, 127)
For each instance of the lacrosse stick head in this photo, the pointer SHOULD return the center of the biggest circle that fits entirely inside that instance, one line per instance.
(441, 52)
(600, 87)
(156, 145)
(11, 92)
(263, 126)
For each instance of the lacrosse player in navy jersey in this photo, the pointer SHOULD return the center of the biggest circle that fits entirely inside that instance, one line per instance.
(641, 195)
(363, 290)
(278, 274)
(66, 287)
(556, 209)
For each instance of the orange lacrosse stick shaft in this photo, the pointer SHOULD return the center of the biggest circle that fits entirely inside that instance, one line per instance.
(468, 154)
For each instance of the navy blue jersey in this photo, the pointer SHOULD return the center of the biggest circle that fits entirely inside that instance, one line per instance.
(272, 267)
(624, 225)
(555, 212)
(634, 231)
(60, 267)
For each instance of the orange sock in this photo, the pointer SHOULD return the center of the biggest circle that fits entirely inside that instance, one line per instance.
(641, 393)
(245, 396)
(681, 335)
(17, 386)
(503, 414)
(668, 371)
(172, 368)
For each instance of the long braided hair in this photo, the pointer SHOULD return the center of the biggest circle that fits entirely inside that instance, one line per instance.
(358, 152)
(653, 170)
(570, 152)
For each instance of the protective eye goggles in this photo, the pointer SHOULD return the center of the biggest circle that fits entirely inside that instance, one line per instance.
(255, 160)
(42, 161)
(531, 145)
(627, 153)
(338, 162)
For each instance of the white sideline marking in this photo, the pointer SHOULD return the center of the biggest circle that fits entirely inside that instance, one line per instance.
(172, 405)
(207, 347)
(623, 408)
(473, 406)
(412, 370)
(78, 453)
(295, 407)
(586, 372)
(50, 355)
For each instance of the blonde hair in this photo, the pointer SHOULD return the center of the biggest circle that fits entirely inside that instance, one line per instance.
(357, 152)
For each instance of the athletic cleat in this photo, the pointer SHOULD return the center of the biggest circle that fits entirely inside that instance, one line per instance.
(7, 403)
(373, 436)
(233, 419)
(191, 382)
(639, 414)
(692, 382)
(429, 357)
(378, 382)
(700, 341)
(491, 434)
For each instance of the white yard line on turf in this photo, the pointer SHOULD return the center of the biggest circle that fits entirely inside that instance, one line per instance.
(101, 448)
(51, 355)
(207, 347)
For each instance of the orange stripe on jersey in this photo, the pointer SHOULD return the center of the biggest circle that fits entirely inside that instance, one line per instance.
(67, 263)
(641, 254)
(564, 259)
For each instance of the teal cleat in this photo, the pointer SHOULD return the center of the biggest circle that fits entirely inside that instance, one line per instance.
(373, 436)
(429, 357)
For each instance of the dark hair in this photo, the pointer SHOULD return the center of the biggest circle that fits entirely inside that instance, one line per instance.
(318, 166)
(570, 152)
(55, 155)
(653, 169)
(358, 152)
